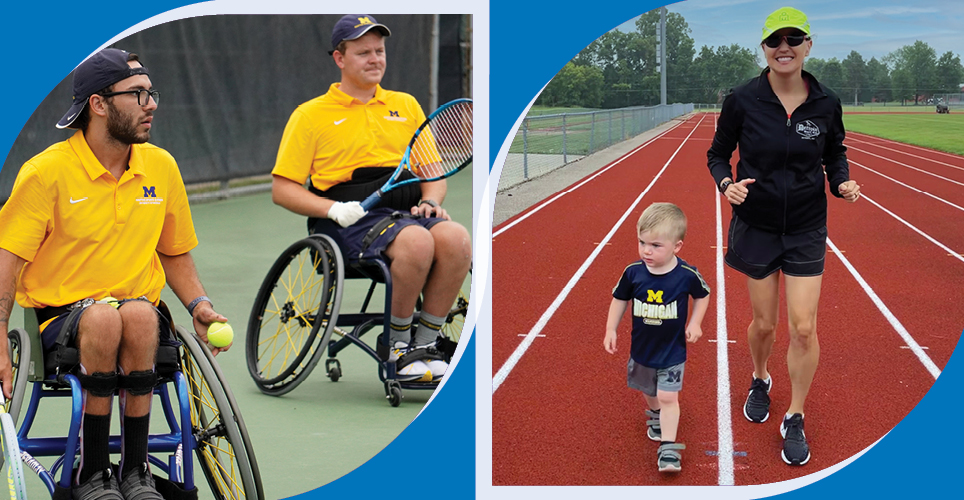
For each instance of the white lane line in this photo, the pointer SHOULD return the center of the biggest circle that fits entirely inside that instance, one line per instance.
(724, 427)
(956, 255)
(942, 153)
(910, 154)
(547, 315)
(597, 174)
(908, 166)
(908, 186)
(894, 322)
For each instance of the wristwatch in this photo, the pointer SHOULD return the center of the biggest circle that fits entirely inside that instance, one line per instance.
(431, 203)
(725, 184)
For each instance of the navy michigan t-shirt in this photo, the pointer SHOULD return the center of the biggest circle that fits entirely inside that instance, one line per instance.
(660, 303)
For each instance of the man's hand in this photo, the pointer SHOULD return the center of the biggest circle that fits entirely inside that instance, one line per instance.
(6, 374)
(204, 315)
(346, 213)
(427, 210)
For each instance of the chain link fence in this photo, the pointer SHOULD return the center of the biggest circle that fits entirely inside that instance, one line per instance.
(547, 142)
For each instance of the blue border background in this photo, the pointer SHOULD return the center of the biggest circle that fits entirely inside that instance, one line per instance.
(530, 42)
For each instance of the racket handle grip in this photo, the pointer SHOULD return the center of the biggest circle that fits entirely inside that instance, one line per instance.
(372, 200)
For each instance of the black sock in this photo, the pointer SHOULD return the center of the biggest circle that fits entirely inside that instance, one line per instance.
(96, 454)
(661, 443)
(135, 441)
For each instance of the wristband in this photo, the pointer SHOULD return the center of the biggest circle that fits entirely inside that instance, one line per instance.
(431, 203)
(195, 302)
(725, 185)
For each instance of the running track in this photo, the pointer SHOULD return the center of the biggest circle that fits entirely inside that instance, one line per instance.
(888, 322)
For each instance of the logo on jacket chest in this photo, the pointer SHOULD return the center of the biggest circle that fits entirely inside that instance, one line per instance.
(808, 130)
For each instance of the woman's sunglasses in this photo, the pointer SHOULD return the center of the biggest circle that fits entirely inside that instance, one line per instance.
(773, 41)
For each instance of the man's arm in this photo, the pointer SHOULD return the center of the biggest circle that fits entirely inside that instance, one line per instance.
(10, 267)
(184, 282)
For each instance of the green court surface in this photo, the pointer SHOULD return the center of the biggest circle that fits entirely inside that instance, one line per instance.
(322, 430)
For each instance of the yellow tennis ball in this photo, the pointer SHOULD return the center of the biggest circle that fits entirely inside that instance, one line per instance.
(220, 334)
(111, 301)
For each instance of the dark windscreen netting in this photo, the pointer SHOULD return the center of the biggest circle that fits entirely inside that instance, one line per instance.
(229, 83)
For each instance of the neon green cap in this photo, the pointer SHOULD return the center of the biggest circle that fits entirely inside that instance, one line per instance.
(785, 17)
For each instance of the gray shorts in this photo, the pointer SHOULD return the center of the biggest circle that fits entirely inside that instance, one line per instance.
(649, 380)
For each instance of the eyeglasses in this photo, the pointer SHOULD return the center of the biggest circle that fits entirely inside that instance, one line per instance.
(143, 95)
(773, 41)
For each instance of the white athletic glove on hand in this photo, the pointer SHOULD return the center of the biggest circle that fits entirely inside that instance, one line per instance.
(346, 213)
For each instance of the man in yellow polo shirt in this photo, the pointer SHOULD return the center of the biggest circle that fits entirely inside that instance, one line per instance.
(103, 215)
(348, 142)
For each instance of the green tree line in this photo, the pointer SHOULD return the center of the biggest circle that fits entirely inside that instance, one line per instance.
(619, 69)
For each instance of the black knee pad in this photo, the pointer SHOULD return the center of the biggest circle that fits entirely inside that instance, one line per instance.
(138, 383)
(100, 384)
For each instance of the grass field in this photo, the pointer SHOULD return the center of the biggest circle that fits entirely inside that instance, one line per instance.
(890, 108)
(941, 132)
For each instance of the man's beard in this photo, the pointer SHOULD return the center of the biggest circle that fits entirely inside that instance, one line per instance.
(121, 127)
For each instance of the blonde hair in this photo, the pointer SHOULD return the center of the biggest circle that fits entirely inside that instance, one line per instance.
(665, 219)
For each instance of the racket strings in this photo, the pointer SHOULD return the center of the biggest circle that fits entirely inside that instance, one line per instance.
(445, 144)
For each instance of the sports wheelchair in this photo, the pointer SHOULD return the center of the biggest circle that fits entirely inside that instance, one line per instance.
(200, 411)
(297, 313)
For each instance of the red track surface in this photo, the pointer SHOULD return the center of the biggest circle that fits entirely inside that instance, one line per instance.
(564, 416)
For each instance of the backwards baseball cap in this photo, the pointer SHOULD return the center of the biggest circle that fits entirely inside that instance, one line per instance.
(785, 17)
(98, 72)
(352, 27)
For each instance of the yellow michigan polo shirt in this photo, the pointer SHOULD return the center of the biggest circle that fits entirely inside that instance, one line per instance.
(86, 234)
(330, 136)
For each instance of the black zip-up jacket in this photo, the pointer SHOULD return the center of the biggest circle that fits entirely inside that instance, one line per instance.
(785, 155)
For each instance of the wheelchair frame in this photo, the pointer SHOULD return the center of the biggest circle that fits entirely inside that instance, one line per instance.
(307, 313)
(204, 415)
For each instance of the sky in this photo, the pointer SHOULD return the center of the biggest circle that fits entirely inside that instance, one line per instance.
(873, 28)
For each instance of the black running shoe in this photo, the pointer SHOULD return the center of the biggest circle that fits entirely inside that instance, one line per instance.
(757, 406)
(796, 451)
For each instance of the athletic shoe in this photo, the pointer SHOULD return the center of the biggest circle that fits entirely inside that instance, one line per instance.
(669, 457)
(757, 406)
(434, 359)
(138, 484)
(796, 451)
(101, 486)
(409, 371)
(653, 432)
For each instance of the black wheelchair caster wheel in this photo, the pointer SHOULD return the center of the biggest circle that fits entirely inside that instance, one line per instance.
(334, 369)
(393, 393)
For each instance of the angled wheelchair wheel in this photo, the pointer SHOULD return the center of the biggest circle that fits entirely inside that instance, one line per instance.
(11, 465)
(294, 314)
(223, 448)
(455, 319)
(20, 358)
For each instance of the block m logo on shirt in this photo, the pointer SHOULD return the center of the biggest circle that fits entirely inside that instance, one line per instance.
(149, 192)
(656, 296)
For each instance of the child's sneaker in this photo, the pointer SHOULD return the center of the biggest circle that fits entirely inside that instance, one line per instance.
(653, 431)
(669, 457)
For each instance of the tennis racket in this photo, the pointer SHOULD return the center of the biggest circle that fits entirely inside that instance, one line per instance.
(11, 455)
(441, 147)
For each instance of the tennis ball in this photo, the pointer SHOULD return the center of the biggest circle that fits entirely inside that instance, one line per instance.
(220, 334)
(111, 301)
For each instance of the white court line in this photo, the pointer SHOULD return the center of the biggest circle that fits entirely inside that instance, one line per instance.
(597, 174)
(547, 315)
(908, 166)
(908, 186)
(952, 155)
(911, 343)
(909, 154)
(724, 427)
(954, 254)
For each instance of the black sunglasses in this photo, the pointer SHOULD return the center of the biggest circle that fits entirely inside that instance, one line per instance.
(773, 41)
(143, 96)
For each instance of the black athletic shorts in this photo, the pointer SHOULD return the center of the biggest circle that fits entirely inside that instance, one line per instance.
(758, 254)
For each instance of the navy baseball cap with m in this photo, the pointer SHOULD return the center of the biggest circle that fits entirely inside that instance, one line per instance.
(353, 26)
(98, 72)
